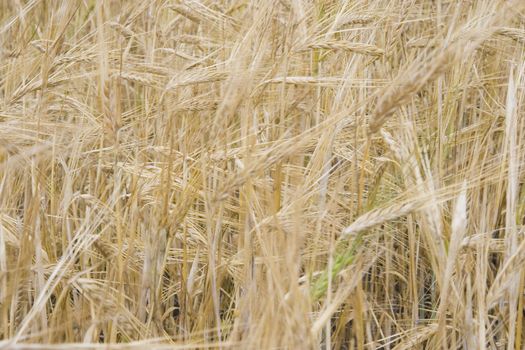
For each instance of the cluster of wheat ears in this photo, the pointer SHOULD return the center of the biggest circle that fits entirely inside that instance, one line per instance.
(262, 174)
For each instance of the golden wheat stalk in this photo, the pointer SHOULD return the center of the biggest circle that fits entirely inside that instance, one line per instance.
(338, 45)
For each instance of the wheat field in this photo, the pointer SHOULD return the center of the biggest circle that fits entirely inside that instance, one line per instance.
(262, 174)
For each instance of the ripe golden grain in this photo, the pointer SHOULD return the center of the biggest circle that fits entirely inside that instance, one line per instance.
(262, 174)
